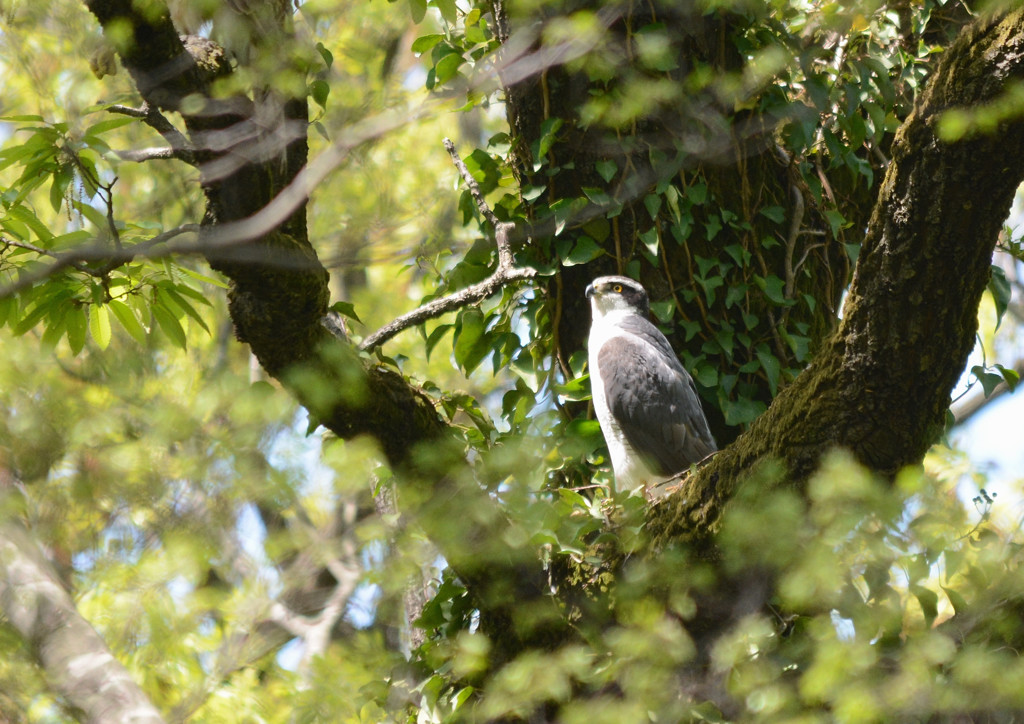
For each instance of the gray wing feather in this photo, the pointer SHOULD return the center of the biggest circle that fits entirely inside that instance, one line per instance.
(653, 398)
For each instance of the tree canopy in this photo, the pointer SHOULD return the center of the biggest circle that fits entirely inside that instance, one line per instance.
(295, 409)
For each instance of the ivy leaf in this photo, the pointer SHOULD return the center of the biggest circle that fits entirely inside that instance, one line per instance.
(346, 309)
(999, 286)
(606, 169)
(775, 213)
(772, 287)
(772, 369)
(1010, 376)
(989, 380)
(585, 249)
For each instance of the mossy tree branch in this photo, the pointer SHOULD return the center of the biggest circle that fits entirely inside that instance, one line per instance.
(881, 385)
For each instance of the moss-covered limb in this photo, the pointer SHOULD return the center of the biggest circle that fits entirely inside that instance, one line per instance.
(881, 385)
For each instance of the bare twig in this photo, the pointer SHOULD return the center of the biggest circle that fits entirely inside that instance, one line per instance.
(796, 220)
(471, 184)
(461, 298)
(181, 147)
(155, 153)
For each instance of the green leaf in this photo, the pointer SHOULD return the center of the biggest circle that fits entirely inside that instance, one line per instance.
(999, 287)
(31, 319)
(202, 277)
(448, 10)
(989, 380)
(54, 330)
(169, 324)
(75, 323)
(697, 194)
(99, 325)
(128, 320)
(184, 304)
(606, 169)
(319, 90)
(958, 602)
(436, 336)
(929, 601)
(741, 411)
(585, 249)
(772, 287)
(772, 368)
(577, 389)
(652, 202)
(446, 68)
(346, 309)
(650, 241)
(548, 133)
(327, 55)
(108, 125)
(29, 219)
(62, 178)
(425, 42)
(470, 339)
(417, 9)
(1010, 376)
(775, 213)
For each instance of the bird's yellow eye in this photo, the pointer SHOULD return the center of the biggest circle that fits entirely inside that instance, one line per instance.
(617, 288)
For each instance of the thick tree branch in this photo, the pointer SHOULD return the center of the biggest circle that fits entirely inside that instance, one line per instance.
(74, 656)
(279, 298)
(881, 385)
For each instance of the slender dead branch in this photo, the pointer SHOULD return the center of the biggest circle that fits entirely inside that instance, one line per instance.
(471, 184)
(155, 153)
(506, 271)
(181, 147)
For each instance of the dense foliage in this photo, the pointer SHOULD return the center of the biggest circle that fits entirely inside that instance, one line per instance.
(425, 528)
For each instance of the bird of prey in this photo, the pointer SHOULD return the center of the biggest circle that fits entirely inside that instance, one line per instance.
(645, 401)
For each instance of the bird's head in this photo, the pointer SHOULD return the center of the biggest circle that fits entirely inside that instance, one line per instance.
(617, 294)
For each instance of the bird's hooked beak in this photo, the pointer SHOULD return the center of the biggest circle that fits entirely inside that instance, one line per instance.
(590, 291)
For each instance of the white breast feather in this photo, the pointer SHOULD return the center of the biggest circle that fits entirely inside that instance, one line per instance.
(631, 472)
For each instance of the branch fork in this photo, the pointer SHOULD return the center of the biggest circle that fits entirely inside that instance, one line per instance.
(506, 271)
